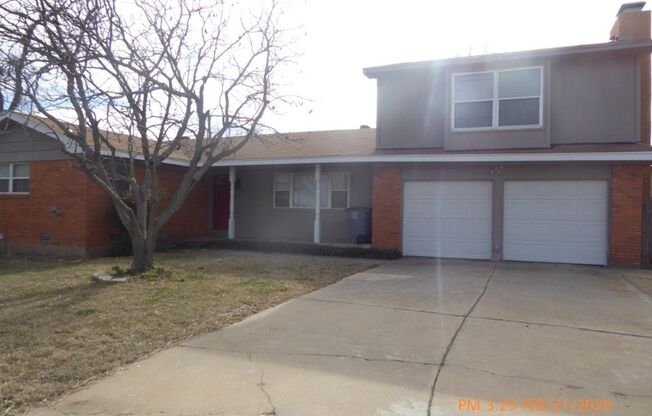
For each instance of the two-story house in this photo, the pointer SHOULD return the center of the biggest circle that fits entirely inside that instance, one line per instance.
(540, 155)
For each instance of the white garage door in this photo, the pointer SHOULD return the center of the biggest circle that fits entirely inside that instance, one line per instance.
(556, 221)
(447, 219)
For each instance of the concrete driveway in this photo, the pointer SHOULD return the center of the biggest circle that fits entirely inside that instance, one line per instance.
(412, 337)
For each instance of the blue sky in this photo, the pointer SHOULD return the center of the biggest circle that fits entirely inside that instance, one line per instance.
(343, 36)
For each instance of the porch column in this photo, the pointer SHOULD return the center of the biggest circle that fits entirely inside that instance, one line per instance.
(231, 234)
(317, 229)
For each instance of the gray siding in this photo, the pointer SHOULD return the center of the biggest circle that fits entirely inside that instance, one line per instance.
(595, 100)
(411, 110)
(256, 217)
(21, 144)
(498, 175)
(587, 99)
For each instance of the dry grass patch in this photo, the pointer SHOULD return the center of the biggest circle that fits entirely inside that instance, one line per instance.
(59, 328)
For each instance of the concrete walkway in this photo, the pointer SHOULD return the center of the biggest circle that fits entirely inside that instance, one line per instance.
(412, 337)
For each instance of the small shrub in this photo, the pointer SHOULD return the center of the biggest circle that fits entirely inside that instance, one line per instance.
(156, 273)
(297, 248)
(118, 271)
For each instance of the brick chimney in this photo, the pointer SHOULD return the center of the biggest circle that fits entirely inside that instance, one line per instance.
(633, 23)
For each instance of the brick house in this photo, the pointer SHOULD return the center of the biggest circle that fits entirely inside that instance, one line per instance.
(540, 155)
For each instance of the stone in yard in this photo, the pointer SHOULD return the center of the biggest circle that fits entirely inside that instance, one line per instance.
(108, 278)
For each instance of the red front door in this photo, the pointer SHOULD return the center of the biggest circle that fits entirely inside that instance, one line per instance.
(221, 203)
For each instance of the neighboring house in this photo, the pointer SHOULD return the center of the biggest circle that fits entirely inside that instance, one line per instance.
(540, 155)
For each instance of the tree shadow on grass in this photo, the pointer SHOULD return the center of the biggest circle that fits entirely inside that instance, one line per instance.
(39, 304)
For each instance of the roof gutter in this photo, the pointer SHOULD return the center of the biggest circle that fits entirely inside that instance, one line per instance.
(451, 158)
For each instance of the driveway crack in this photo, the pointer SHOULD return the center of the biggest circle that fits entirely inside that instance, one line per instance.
(454, 337)
(634, 287)
(392, 308)
(541, 380)
(261, 384)
(316, 354)
(578, 328)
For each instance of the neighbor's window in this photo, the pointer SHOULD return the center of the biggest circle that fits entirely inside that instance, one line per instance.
(121, 168)
(498, 99)
(297, 190)
(14, 178)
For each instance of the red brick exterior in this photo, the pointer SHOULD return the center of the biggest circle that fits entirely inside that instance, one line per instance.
(386, 218)
(25, 218)
(629, 185)
(192, 218)
(84, 227)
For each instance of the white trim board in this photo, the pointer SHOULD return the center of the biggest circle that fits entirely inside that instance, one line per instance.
(452, 158)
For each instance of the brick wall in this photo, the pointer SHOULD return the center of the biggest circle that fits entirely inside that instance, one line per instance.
(629, 185)
(192, 218)
(26, 219)
(386, 220)
(84, 227)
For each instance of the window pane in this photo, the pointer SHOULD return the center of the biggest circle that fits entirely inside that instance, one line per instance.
(523, 112)
(282, 199)
(21, 170)
(304, 191)
(473, 114)
(340, 181)
(21, 185)
(339, 199)
(4, 185)
(521, 83)
(282, 183)
(123, 187)
(324, 187)
(4, 171)
(474, 87)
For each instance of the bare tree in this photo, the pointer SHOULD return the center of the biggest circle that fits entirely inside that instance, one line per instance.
(175, 76)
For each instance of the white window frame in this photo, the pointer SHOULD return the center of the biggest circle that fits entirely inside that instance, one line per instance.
(496, 101)
(330, 189)
(11, 178)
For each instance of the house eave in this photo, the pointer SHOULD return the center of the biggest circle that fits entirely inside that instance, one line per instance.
(451, 158)
(639, 46)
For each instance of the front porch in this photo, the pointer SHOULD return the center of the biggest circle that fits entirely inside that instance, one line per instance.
(278, 203)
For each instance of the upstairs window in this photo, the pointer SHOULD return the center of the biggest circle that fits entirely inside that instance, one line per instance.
(14, 178)
(498, 99)
(297, 190)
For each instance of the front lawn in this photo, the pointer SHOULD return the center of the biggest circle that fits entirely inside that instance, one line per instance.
(60, 329)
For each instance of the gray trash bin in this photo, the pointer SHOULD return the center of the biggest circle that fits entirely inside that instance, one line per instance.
(359, 225)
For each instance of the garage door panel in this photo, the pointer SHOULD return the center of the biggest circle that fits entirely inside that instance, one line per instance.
(559, 253)
(449, 248)
(521, 209)
(450, 229)
(447, 219)
(583, 233)
(565, 222)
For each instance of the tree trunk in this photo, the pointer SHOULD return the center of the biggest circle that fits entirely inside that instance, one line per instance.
(143, 249)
